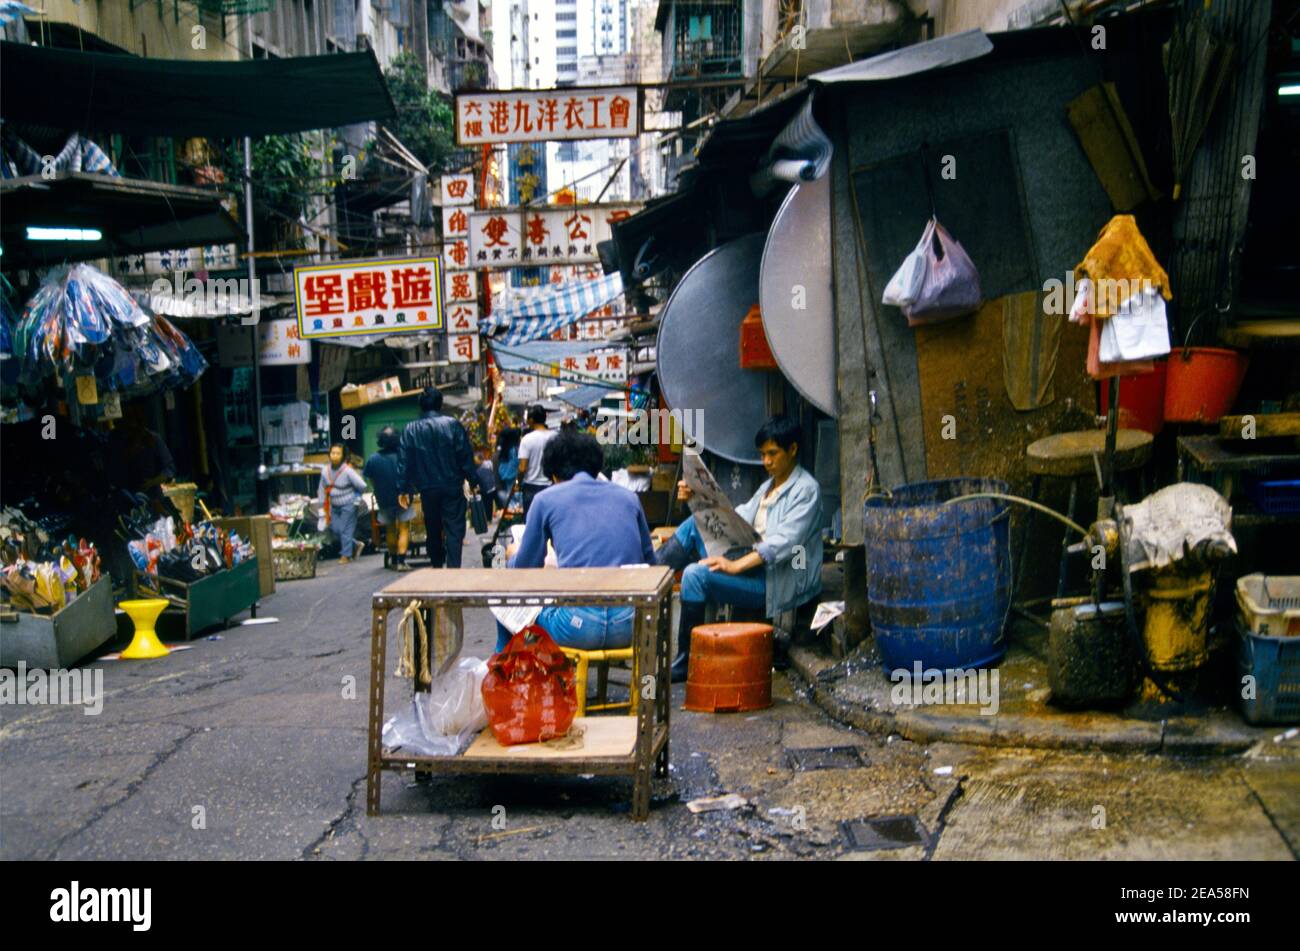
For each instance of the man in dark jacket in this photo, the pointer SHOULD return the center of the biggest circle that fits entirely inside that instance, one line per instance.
(436, 459)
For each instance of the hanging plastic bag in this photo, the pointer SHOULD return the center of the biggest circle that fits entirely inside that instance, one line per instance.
(905, 285)
(530, 691)
(951, 285)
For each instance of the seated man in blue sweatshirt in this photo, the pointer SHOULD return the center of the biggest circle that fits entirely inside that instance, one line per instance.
(592, 524)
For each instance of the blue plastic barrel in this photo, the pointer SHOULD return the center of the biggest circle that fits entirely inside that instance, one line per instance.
(939, 576)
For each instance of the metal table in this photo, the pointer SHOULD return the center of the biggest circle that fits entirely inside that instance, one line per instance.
(646, 589)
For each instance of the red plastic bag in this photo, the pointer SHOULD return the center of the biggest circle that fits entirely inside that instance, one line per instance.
(530, 691)
(951, 285)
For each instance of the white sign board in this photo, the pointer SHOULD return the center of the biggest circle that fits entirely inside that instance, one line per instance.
(462, 318)
(463, 348)
(511, 237)
(547, 115)
(455, 223)
(379, 296)
(458, 189)
(280, 345)
(461, 286)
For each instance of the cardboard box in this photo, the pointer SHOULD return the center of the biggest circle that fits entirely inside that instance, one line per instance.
(352, 396)
(383, 389)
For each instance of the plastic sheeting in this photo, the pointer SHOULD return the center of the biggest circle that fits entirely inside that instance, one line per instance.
(1179, 521)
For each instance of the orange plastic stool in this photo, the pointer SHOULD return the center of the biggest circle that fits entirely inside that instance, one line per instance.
(731, 668)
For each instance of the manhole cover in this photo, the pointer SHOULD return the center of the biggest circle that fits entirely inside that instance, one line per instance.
(884, 832)
(827, 757)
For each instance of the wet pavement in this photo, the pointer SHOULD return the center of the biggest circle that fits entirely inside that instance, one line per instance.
(254, 746)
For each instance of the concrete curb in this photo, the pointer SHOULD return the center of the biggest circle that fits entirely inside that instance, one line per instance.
(1199, 736)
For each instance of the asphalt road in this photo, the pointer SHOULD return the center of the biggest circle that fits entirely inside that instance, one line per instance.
(253, 746)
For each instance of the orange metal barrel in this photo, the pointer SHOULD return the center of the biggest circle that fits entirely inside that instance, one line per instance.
(731, 668)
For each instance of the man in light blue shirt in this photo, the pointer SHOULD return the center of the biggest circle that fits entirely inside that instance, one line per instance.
(782, 572)
(591, 523)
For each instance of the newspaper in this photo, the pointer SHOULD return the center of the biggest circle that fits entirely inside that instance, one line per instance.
(720, 527)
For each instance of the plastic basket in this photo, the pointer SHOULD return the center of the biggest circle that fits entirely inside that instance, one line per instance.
(1274, 662)
(294, 562)
(1276, 496)
(1270, 604)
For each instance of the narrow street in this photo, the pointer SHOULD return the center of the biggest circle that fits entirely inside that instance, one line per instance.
(253, 746)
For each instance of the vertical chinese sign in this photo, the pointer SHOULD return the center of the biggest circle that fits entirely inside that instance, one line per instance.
(461, 291)
(381, 296)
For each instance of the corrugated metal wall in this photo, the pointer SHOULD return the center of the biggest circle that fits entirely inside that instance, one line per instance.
(1210, 223)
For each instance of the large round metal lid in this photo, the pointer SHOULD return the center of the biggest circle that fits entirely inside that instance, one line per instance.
(795, 293)
(698, 350)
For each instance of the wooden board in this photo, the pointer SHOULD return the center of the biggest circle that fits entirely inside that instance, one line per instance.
(1262, 333)
(961, 372)
(1266, 425)
(640, 581)
(602, 736)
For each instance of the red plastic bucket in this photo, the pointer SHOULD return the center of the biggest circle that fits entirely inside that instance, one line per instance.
(1202, 383)
(1141, 400)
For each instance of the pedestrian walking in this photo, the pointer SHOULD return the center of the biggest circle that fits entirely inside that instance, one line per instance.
(531, 448)
(435, 459)
(381, 470)
(338, 492)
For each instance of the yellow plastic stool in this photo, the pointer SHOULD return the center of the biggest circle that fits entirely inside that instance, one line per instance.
(602, 659)
(144, 614)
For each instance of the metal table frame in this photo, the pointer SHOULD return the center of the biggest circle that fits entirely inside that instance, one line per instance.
(646, 589)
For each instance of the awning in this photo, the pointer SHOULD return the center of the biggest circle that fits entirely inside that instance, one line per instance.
(541, 351)
(135, 217)
(141, 96)
(541, 316)
(918, 58)
(585, 397)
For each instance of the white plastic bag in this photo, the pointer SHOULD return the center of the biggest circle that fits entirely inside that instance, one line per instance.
(445, 720)
(905, 285)
(1139, 330)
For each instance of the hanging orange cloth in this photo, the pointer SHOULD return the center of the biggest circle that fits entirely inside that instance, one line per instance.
(1119, 264)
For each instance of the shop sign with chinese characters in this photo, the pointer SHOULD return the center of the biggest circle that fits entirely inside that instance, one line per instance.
(462, 318)
(458, 189)
(455, 223)
(382, 296)
(610, 367)
(280, 344)
(463, 348)
(547, 115)
(461, 287)
(511, 237)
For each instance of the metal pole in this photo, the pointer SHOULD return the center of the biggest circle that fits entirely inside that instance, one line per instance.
(254, 317)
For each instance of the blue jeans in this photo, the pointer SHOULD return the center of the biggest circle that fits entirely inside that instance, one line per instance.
(343, 523)
(588, 629)
(699, 584)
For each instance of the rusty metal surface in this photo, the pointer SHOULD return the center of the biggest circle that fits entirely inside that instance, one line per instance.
(795, 293)
(698, 349)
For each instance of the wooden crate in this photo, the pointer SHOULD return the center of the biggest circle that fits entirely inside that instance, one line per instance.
(62, 639)
(256, 528)
(205, 603)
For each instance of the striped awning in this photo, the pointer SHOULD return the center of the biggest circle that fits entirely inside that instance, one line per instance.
(540, 316)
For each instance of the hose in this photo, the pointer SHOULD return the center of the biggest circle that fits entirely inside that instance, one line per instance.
(1031, 504)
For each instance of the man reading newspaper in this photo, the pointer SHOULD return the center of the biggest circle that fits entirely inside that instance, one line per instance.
(765, 554)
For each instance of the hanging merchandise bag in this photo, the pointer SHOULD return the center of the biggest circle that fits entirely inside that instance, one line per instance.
(530, 691)
(951, 285)
(905, 285)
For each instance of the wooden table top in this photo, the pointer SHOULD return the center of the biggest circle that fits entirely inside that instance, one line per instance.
(1214, 453)
(639, 581)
